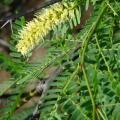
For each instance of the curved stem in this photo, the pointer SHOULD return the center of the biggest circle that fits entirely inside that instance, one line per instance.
(85, 44)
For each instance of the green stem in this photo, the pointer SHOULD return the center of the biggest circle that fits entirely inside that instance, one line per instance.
(108, 68)
(112, 9)
(71, 78)
(85, 44)
(101, 114)
(90, 92)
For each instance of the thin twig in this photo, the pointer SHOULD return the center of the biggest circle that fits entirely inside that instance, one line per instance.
(13, 17)
(108, 105)
(52, 77)
(102, 115)
(4, 43)
(45, 88)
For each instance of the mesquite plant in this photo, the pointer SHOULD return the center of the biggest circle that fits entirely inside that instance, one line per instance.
(85, 82)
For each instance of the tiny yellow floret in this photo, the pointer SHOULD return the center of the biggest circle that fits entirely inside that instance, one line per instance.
(45, 21)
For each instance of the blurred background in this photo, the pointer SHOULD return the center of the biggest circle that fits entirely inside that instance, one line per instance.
(8, 10)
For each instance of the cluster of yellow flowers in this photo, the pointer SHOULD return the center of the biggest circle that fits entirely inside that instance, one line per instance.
(45, 20)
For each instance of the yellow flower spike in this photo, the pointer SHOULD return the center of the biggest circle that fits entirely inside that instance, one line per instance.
(45, 20)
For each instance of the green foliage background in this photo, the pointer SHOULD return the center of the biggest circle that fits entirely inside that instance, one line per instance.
(86, 85)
